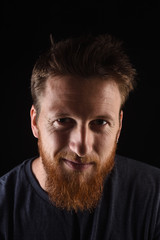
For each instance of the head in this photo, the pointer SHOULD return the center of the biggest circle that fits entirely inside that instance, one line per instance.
(78, 88)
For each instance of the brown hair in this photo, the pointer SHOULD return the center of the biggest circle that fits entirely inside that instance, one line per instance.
(86, 56)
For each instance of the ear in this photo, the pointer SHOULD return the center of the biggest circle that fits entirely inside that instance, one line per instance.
(34, 126)
(120, 125)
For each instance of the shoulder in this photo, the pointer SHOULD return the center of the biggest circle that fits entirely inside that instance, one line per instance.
(134, 187)
(12, 179)
(137, 172)
(13, 187)
(135, 165)
(11, 174)
(12, 191)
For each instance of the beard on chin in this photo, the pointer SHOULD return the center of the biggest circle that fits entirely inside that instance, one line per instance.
(75, 190)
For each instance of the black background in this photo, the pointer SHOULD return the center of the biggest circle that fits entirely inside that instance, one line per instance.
(25, 33)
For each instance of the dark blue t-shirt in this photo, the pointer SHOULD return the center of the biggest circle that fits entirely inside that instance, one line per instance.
(128, 210)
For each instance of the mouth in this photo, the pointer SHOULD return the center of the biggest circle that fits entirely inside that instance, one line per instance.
(76, 165)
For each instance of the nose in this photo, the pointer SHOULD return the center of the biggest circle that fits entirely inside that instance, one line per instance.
(81, 141)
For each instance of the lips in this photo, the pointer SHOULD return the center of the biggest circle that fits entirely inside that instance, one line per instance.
(76, 165)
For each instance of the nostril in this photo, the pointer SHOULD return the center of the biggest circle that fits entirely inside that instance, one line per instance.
(80, 149)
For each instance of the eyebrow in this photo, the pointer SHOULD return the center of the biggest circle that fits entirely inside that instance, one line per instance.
(108, 116)
(63, 115)
(58, 115)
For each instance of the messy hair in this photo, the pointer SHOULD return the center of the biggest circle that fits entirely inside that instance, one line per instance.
(88, 56)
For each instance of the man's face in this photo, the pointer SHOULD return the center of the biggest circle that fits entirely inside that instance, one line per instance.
(77, 130)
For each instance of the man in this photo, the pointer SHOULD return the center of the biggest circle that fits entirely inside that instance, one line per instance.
(78, 188)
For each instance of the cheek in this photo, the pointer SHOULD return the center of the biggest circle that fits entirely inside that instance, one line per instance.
(55, 142)
(104, 145)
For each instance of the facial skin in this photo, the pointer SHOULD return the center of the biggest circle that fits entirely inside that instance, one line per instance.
(77, 129)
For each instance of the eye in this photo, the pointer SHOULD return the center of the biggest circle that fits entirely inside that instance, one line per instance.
(98, 125)
(64, 120)
(64, 123)
(98, 122)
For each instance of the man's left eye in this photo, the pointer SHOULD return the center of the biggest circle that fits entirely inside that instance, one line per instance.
(99, 122)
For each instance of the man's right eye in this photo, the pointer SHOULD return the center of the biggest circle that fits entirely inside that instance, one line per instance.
(62, 120)
(64, 123)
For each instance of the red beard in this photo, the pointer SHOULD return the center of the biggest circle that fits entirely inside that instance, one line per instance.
(75, 190)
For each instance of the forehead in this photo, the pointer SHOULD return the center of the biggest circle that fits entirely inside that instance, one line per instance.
(84, 95)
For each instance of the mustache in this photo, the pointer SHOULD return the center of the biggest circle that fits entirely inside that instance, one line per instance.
(75, 158)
